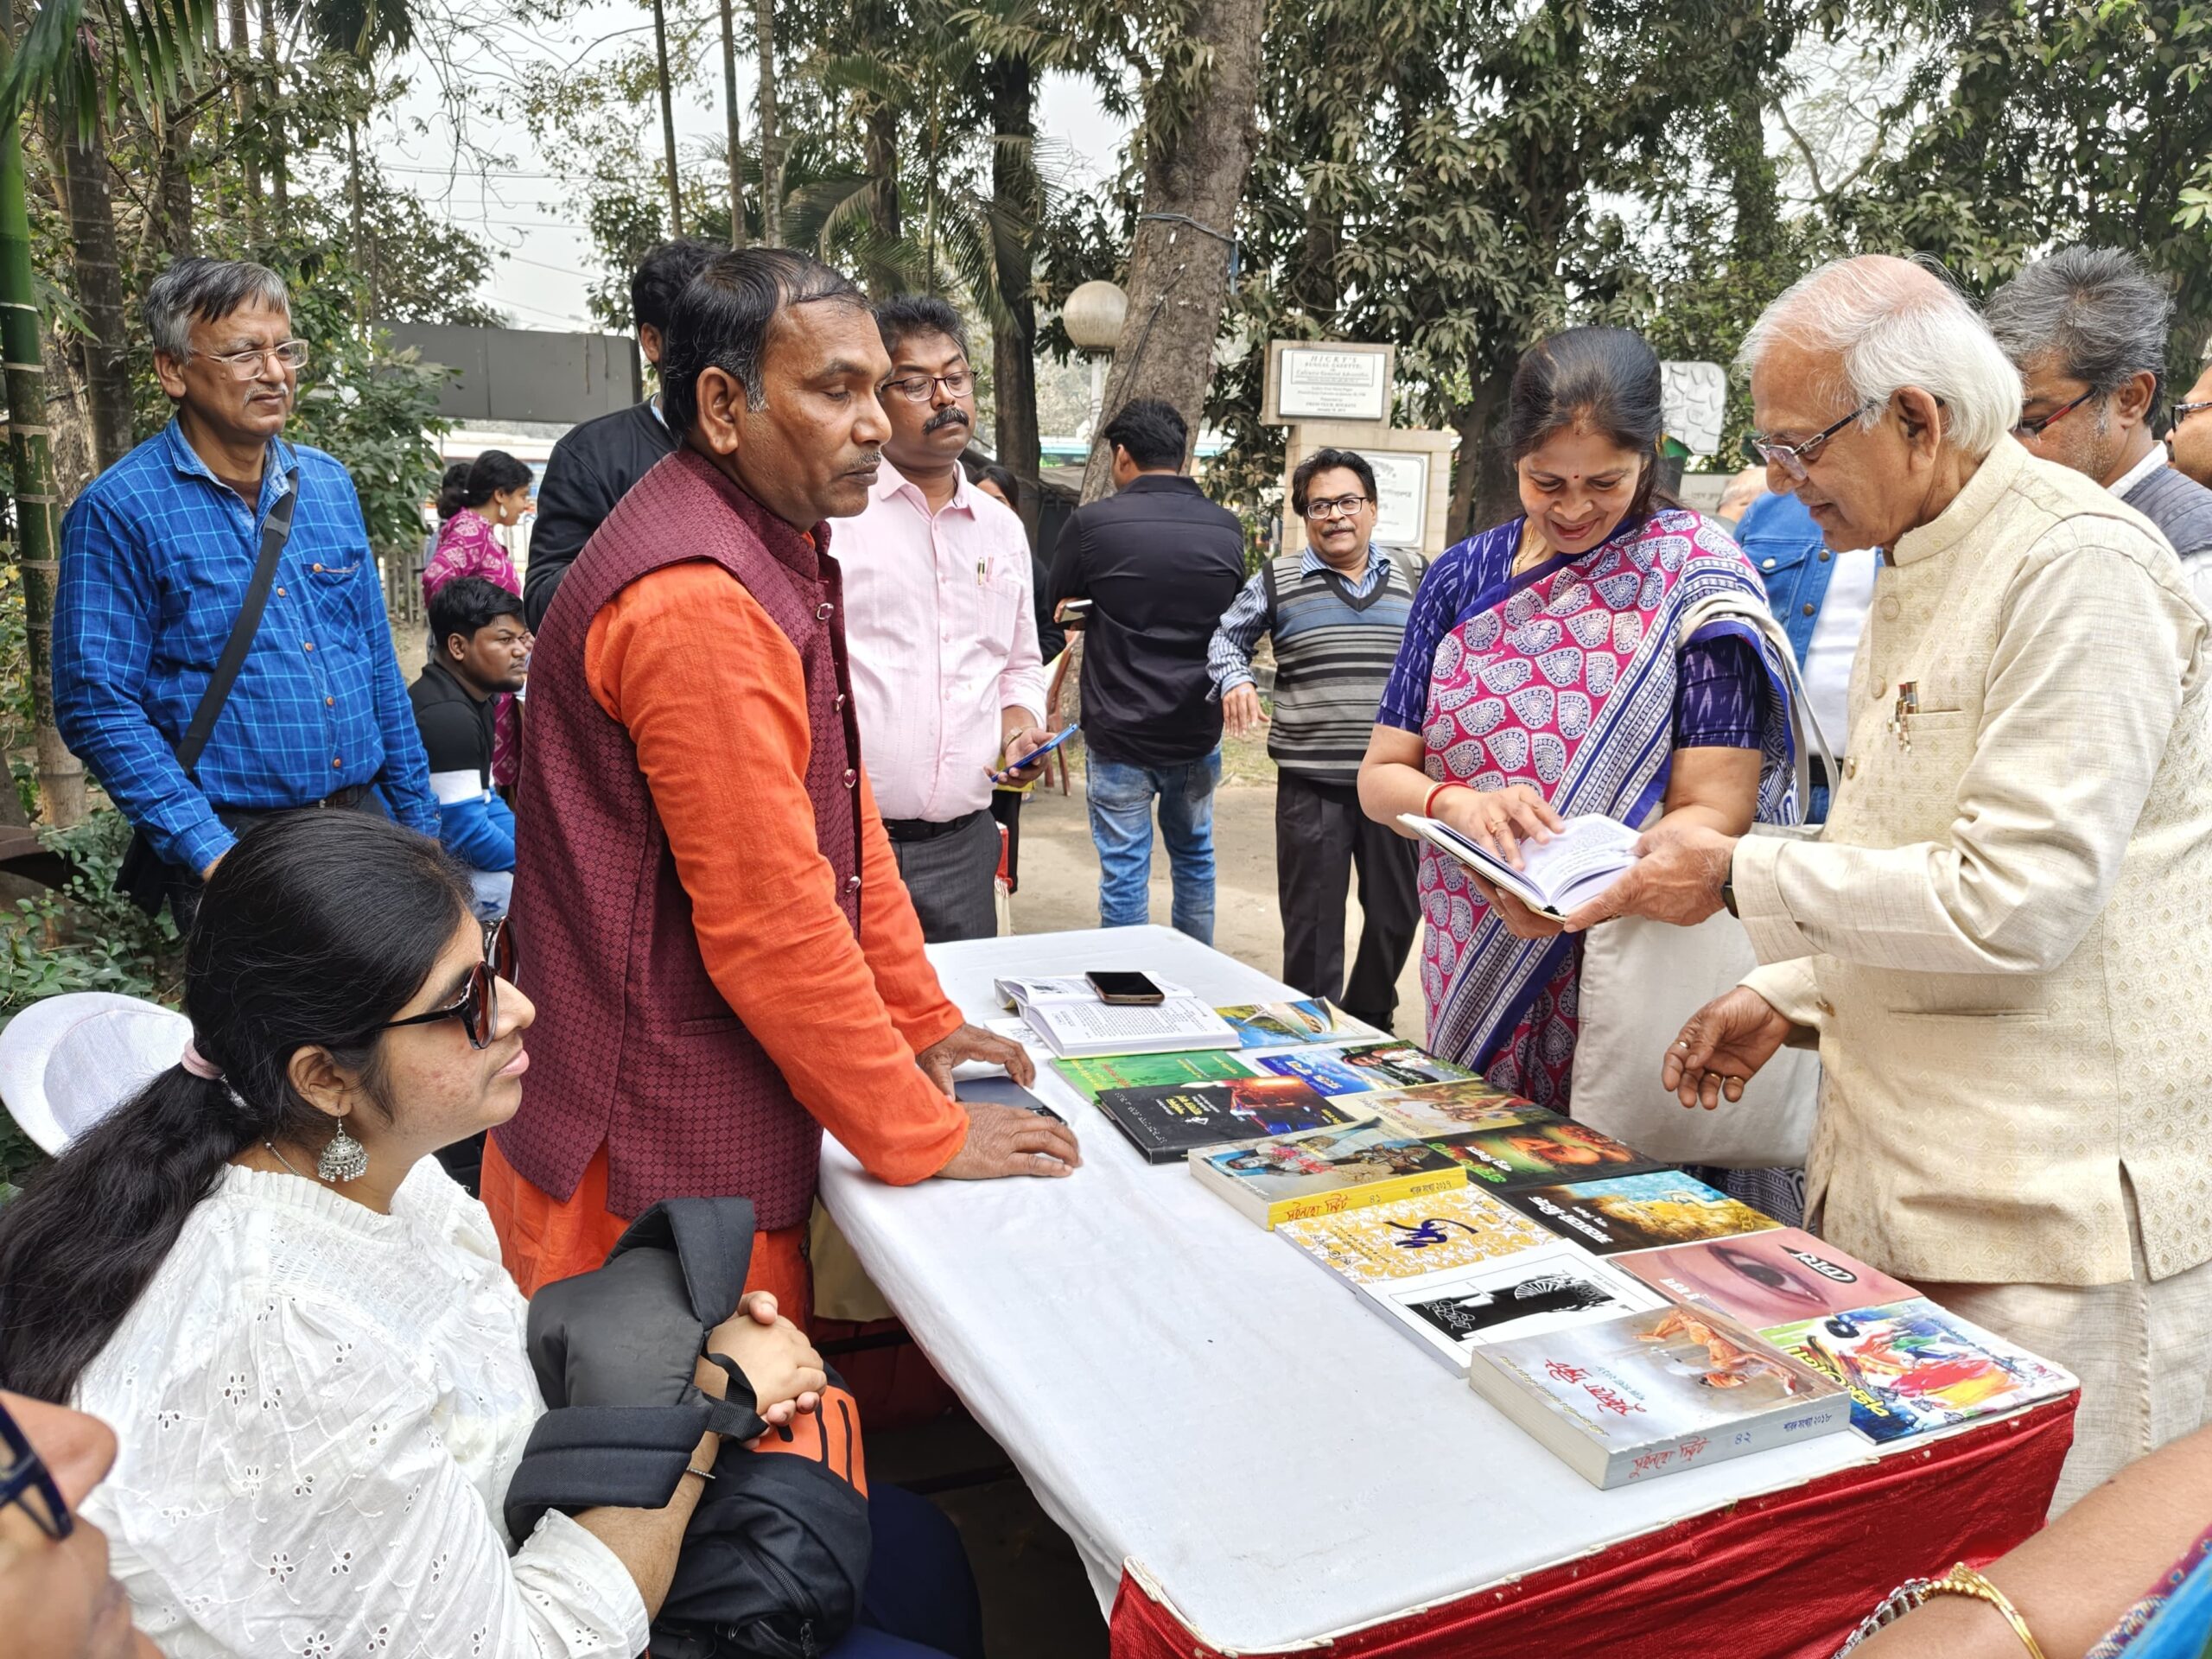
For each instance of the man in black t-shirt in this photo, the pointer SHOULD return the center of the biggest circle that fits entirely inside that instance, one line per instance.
(1160, 563)
(594, 464)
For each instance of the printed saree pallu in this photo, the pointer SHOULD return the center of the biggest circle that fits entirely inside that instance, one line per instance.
(1565, 678)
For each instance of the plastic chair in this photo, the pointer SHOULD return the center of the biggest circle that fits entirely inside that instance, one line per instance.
(67, 1062)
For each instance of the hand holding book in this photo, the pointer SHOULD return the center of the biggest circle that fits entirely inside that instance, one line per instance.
(1497, 820)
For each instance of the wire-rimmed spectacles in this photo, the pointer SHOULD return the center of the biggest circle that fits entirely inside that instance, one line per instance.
(920, 388)
(291, 354)
(1794, 458)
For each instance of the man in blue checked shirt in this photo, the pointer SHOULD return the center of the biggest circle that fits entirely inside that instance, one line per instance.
(156, 556)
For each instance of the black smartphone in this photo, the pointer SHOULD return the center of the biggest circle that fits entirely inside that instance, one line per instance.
(1127, 990)
(1003, 1091)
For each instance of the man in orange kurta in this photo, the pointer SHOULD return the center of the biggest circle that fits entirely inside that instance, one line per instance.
(730, 956)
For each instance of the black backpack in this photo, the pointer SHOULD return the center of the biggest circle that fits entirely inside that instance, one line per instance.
(777, 1551)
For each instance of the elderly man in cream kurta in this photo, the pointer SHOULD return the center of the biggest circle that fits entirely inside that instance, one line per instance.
(2000, 936)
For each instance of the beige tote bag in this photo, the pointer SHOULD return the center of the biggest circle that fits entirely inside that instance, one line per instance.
(1642, 980)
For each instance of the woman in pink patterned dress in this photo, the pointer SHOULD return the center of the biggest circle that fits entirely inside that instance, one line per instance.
(475, 498)
(1540, 676)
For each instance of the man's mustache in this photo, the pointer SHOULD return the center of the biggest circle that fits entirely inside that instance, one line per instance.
(946, 416)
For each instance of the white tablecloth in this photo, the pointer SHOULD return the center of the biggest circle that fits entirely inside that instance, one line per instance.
(1189, 1395)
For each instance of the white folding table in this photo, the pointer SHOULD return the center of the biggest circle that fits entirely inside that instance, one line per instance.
(1211, 1419)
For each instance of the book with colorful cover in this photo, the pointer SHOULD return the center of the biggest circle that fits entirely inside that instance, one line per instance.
(1405, 1066)
(1166, 1123)
(1642, 1396)
(1292, 1025)
(1322, 1171)
(1410, 1238)
(1321, 1070)
(1782, 1276)
(1452, 1313)
(1540, 1154)
(1090, 1077)
(1439, 1110)
(1638, 1212)
(1913, 1368)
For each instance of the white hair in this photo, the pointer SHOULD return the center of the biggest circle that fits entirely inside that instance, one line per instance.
(1892, 324)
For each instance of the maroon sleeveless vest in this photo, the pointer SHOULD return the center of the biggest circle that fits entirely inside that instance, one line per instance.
(633, 1046)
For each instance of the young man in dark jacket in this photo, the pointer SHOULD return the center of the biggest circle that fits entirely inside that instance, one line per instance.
(1159, 564)
(594, 465)
(478, 648)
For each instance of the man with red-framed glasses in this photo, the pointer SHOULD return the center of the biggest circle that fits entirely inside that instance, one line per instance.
(2086, 328)
(57, 1599)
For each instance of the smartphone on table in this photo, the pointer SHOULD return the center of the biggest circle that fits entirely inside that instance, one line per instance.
(1127, 990)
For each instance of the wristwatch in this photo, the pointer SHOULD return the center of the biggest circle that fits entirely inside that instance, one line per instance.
(1728, 886)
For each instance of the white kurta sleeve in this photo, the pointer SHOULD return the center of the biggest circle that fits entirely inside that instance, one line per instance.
(293, 1495)
(2084, 692)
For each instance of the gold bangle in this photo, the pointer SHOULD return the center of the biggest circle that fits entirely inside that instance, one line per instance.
(1963, 1581)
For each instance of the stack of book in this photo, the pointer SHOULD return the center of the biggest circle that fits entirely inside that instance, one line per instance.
(1633, 1319)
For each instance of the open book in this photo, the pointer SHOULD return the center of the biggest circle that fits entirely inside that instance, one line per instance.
(1578, 862)
(1076, 1025)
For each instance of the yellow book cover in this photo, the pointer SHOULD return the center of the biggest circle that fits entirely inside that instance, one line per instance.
(1322, 1171)
(1405, 1238)
(1353, 1198)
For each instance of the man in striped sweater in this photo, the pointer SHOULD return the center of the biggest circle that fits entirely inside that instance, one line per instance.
(1336, 612)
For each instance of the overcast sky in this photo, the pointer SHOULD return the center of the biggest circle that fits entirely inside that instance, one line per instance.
(522, 207)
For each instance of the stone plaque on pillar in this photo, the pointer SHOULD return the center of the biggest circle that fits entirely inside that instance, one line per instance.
(1327, 380)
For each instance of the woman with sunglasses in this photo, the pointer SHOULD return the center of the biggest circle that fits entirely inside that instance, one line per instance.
(298, 1324)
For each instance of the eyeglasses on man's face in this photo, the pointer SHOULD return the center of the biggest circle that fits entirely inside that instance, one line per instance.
(920, 388)
(2035, 427)
(1794, 458)
(27, 1484)
(1336, 506)
(2180, 412)
(291, 354)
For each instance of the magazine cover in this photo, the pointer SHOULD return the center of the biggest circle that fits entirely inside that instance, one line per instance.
(1092, 1076)
(1645, 1395)
(1638, 1212)
(1766, 1279)
(1165, 1123)
(1912, 1368)
(1287, 1025)
(1406, 1238)
(1439, 1110)
(1454, 1311)
(1401, 1066)
(1322, 1172)
(1540, 1154)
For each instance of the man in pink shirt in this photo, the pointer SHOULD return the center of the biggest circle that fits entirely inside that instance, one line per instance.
(939, 629)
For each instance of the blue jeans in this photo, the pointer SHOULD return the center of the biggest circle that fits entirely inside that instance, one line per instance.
(1120, 825)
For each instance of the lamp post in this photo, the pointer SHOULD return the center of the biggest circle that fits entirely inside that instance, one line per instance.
(1093, 317)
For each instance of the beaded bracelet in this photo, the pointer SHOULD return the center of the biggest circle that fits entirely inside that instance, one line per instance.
(1961, 1581)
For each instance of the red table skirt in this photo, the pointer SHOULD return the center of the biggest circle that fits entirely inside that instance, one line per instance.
(1786, 1576)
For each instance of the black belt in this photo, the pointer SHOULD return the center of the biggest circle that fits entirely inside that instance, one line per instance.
(924, 830)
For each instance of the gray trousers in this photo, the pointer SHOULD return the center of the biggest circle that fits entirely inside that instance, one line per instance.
(950, 877)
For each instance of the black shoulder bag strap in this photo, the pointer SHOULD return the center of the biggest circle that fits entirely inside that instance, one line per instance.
(142, 874)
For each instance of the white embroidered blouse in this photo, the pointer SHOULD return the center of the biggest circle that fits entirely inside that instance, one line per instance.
(318, 1410)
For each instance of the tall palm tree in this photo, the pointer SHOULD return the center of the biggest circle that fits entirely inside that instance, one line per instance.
(76, 70)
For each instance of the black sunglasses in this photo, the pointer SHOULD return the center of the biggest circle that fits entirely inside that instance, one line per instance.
(478, 1008)
(26, 1483)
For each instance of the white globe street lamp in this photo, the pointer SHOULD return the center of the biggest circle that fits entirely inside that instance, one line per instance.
(1093, 318)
